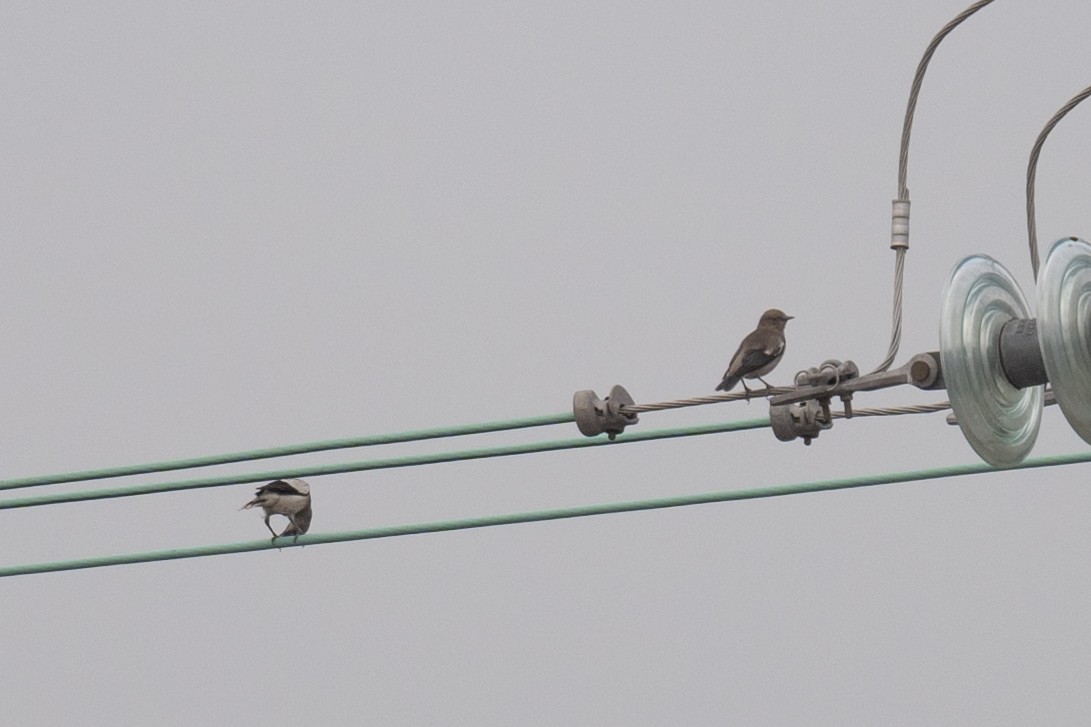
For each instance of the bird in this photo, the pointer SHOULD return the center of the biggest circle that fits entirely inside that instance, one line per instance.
(290, 498)
(759, 352)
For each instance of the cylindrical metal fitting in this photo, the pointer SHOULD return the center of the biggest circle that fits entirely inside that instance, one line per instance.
(899, 224)
(925, 371)
(1020, 353)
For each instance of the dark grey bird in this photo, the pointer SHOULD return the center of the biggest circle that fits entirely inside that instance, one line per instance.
(759, 352)
(290, 498)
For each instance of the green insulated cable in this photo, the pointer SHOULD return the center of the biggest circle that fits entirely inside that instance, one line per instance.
(375, 464)
(538, 516)
(288, 450)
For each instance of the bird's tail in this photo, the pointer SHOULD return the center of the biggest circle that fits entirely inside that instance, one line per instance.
(728, 383)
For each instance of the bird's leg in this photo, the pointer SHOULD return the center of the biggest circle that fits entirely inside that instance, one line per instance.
(274, 532)
(767, 386)
(296, 526)
(747, 390)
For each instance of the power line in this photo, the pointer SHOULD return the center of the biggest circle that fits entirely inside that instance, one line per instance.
(773, 391)
(1032, 172)
(435, 458)
(915, 89)
(368, 441)
(894, 410)
(375, 464)
(407, 461)
(542, 515)
(901, 204)
(706, 399)
(288, 450)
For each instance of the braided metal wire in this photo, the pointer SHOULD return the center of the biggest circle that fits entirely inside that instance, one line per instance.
(761, 393)
(903, 174)
(1032, 171)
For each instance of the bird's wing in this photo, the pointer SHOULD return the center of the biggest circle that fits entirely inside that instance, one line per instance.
(756, 358)
(733, 365)
(280, 487)
(774, 350)
(760, 348)
(303, 518)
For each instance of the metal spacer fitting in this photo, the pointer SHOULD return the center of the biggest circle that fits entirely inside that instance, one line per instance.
(803, 419)
(899, 224)
(595, 416)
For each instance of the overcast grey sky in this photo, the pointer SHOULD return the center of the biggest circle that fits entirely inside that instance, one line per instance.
(234, 225)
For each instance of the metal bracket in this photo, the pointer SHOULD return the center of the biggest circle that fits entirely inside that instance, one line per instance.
(595, 416)
(922, 371)
(805, 411)
(801, 419)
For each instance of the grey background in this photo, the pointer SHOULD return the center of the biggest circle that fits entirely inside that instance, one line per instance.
(234, 225)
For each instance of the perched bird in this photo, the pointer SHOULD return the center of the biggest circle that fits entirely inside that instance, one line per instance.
(290, 498)
(759, 352)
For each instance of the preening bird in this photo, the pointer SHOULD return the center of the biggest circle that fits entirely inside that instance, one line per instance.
(759, 353)
(290, 498)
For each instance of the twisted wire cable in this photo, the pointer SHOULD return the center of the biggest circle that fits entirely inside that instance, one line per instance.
(1032, 173)
(773, 391)
(896, 317)
(903, 175)
(915, 89)
(886, 411)
(701, 400)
